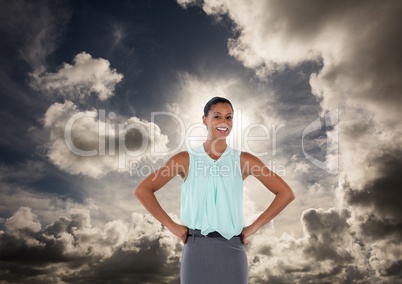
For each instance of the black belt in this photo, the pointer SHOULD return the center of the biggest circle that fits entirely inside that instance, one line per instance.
(214, 235)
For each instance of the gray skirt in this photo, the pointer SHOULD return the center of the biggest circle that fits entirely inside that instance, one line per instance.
(213, 260)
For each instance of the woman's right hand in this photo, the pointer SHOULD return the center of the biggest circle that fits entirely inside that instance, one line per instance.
(180, 231)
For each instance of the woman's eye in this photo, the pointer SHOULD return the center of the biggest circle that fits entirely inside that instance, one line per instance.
(217, 116)
(229, 117)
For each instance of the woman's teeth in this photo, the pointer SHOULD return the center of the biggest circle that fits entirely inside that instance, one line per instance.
(222, 129)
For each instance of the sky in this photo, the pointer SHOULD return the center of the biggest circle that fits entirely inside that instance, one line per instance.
(95, 95)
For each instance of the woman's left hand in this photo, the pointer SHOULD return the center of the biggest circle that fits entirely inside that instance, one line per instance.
(247, 232)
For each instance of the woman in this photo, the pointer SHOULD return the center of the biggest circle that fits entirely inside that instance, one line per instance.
(214, 232)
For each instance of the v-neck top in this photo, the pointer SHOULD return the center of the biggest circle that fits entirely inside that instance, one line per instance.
(212, 194)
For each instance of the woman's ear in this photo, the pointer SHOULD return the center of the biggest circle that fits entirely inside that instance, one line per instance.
(204, 120)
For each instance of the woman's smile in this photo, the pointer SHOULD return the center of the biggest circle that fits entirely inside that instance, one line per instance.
(222, 130)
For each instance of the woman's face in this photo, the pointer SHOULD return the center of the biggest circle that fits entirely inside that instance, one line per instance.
(219, 121)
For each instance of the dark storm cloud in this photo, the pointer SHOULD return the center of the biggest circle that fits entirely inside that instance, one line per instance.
(33, 30)
(326, 234)
(353, 244)
(329, 252)
(385, 191)
(377, 212)
(380, 198)
(149, 265)
(30, 32)
(82, 252)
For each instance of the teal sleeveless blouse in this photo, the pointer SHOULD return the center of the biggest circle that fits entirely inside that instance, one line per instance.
(212, 194)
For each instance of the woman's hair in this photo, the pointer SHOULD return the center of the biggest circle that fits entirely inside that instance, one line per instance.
(214, 101)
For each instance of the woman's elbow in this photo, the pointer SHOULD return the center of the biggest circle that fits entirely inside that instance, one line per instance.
(139, 190)
(287, 195)
(291, 196)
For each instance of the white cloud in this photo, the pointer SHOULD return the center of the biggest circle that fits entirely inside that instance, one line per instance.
(84, 77)
(184, 3)
(93, 142)
(22, 225)
(23, 219)
(99, 145)
(302, 167)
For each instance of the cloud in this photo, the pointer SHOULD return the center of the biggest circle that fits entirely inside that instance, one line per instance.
(302, 167)
(84, 77)
(30, 32)
(273, 35)
(331, 250)
(184, 3)
(356, 51)
(71, 248)
(326, 232)
(360, 67)
(383, 191)
(356, 70)
(34, 39)
(378, 212)
(23, 219)
(84, 142)
(193, 92)
(328, 251)
(92, 142)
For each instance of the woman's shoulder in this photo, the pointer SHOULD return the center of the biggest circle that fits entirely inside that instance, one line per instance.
(179, 162)
(181, 156)
(247, 157)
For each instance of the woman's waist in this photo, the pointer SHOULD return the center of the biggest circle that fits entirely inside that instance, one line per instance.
(213, 234)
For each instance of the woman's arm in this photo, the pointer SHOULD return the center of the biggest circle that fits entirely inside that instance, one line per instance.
(251, 165)
(178, 164)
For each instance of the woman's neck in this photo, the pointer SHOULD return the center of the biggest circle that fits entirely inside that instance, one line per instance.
(215, 147)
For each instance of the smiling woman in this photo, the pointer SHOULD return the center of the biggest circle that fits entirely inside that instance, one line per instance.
(220, 120)
(214, 232)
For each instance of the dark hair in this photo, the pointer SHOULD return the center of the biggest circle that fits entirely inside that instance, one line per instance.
(214, 101)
